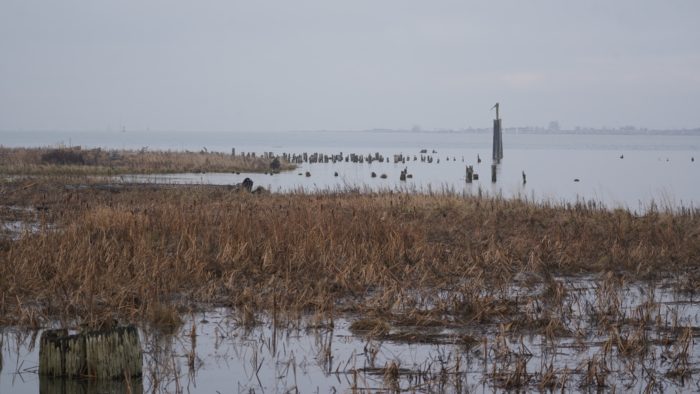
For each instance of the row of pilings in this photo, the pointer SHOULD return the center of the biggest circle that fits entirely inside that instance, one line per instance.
(318, 157)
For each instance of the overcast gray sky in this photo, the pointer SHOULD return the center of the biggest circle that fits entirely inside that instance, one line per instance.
(339, 65)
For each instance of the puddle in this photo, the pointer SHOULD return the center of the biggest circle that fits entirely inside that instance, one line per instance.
(17, 221)
(624, 354)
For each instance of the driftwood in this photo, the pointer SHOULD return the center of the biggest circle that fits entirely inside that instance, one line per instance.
(100, 355)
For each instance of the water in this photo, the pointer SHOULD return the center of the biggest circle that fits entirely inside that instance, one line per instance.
(656, 169)
(226, 356)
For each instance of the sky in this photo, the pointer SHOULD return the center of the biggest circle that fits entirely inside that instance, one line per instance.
(229, 65)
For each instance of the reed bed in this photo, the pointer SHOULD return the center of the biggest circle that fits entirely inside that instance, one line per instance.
(102, 253)
(78, 161)
(537, 296)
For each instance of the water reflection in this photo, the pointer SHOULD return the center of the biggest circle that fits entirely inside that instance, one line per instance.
(49, 385)
(605, 334)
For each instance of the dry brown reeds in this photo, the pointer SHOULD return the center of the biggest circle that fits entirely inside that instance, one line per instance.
(136, 252)
(78, 161)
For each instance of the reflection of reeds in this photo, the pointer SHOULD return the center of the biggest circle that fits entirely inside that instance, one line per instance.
(679, 355)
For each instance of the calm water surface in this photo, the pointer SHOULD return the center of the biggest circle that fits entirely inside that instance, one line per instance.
(227, 357)
(655, 169)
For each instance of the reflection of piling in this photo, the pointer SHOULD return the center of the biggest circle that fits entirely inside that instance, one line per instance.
(493, 173)
(100, 355)
(49, 385)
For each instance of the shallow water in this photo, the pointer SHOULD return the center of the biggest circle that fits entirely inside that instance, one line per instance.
(656, 169)
(226, 356)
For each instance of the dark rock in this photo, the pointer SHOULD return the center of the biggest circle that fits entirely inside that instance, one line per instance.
(275, 164)
(247, 184)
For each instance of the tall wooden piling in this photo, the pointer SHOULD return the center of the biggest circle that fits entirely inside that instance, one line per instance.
(497, 152)
(497, 140)
(100, 355)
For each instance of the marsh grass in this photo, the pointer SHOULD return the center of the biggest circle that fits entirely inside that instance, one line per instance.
(132, 252)
(78, 161)
(405, 267)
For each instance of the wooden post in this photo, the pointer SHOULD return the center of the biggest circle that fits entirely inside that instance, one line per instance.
(497, 153)
(100, 355)
(470, 174)
(497, 140)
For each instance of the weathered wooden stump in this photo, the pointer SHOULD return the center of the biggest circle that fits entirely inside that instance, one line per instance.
(100, 355)
(470, 174)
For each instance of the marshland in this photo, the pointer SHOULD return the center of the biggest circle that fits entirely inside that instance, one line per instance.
(62, 160)
(351, 290)
(358, 197)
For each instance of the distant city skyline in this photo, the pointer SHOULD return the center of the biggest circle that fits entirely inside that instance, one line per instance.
(232, 65)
